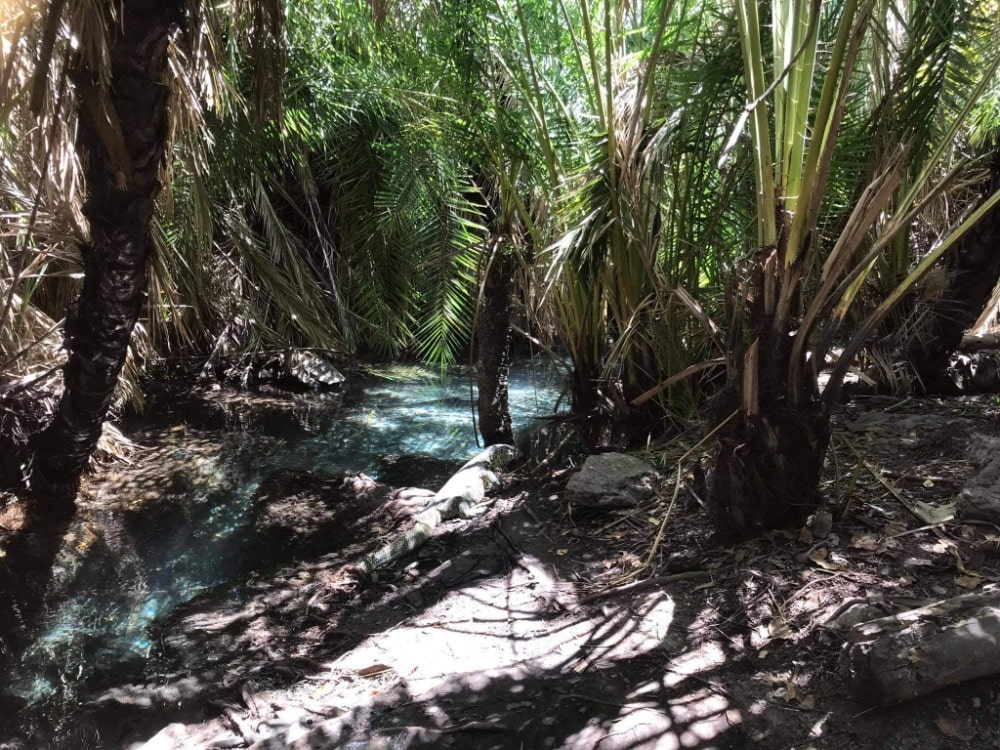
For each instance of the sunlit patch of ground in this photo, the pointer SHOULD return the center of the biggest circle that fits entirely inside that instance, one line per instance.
(523, 629)
(483, 643)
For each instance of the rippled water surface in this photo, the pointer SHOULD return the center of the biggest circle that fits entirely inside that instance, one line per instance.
(179, 524)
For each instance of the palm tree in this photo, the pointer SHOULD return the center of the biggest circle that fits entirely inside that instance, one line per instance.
(122, 136)
(772, 420)
(118, 61)
(629, 152)
(972, 272)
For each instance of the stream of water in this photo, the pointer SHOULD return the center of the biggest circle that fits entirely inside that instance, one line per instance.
(152, 555)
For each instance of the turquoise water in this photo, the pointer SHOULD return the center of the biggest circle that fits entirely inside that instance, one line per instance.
(194, 534)
(429, 417)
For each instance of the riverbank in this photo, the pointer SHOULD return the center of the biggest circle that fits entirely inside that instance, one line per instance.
(534, 627)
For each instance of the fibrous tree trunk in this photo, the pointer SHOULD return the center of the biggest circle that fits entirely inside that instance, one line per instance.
(771, 441)
(972, 272)
(121, 189)
(767, 471)
(119, 207)
(493, 348)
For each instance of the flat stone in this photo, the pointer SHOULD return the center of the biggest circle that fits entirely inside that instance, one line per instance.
(983, 448)
(979, 500)
(612, 480)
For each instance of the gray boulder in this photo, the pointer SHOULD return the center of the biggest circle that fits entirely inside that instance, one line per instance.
(979, 499)
(612, 480)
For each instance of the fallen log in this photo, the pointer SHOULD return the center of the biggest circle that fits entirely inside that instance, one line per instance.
(461, 497)
(913, 653)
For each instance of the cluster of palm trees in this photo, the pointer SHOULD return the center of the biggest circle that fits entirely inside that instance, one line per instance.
(696, 202)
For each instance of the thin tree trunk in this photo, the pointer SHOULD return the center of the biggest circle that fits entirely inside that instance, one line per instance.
(493, 349)
(119, 207)
(973, 269)
(493, 317)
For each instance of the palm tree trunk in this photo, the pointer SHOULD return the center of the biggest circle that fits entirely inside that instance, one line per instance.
(767, 470)
(119, 207)
(493, 349)
(772, 437)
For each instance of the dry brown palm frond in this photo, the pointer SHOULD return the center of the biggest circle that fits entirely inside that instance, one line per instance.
(41, 184)
(288, 284)
(31, 341)
(990, 317)
(40, 199)
(41, 220)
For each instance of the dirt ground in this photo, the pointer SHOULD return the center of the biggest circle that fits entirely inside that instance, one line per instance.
(537, 626)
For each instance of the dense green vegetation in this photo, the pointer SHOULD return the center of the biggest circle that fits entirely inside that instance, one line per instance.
(700, 204)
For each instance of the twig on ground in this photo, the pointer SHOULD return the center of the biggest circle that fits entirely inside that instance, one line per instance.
(469, 726)
(645, 583)
(677, 490)
(895, 492)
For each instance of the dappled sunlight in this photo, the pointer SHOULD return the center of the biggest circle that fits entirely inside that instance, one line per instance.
(663, 260)
(472, 647)
(463, 634)
(149, 696)
(203, 507)
(698, 720)
(491, 636)
(701, 659)
(536, 677)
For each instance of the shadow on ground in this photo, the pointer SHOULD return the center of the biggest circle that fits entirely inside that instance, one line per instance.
(496, 634)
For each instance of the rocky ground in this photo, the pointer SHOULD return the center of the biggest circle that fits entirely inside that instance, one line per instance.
(548, 624)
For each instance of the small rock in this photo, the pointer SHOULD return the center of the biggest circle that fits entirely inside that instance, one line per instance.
(979, 500)
(820, 523)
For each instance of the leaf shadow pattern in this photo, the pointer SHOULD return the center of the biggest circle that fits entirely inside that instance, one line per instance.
(481, 650)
